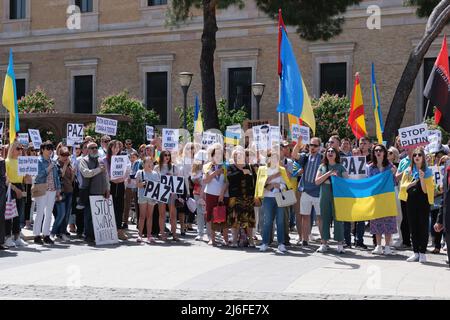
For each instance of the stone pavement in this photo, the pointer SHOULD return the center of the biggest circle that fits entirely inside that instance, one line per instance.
(194, 270)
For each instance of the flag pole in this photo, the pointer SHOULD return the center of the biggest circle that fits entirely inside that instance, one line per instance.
(426, 111)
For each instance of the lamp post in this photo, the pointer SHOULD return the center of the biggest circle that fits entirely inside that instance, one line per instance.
(258, 91)
(185, 81)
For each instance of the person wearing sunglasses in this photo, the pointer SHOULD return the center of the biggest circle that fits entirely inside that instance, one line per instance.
(310, 192)
(387, 225)
(129, 147)
(330, 166)
(417, 190)
(47, 186)
(104, 141)
(394, 158)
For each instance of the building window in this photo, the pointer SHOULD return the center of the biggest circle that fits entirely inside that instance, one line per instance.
(85, 5)
(240, 89)
(156, 2)
(333, 78)
(20, 88)
(157, 94)
(83, 94)
(17, 9)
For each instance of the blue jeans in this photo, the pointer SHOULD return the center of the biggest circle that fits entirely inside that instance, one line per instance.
(272, 211)
(63, 211)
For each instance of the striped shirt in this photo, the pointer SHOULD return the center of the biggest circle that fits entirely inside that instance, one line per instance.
(307, 182)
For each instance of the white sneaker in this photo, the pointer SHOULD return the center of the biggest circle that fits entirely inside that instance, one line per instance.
(378, 250)
(198, 238)
(388, 251)
(65, 238)
(20, 243)
(422, 258)
(263, 247)
(282, 248)
(323, 248)
(9, 242)
(340, 248)
(413, 258)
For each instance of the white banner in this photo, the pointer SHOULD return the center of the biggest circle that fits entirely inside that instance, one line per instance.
(209, 138)
(103, 219)
(35, 138)
(300, 131)
(150, 132)
(27, 166)
(355, 166)
(118, 166)
(170, 139)
(275, 136)
(435, 139)
(106, 126)
(261, 136)
(23, 139)
(414, 136)
(75, 134)
(439, 172)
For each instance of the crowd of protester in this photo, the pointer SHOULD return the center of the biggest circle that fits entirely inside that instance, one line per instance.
(231, 200)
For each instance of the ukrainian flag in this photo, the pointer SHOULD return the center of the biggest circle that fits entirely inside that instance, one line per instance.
(9, 99)
(365, 199)
(198, 121)
(376, 108)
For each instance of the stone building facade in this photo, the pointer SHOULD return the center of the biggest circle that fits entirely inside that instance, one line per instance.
(127, 45)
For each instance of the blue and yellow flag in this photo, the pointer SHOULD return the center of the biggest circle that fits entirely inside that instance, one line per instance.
(379, 127)
(365, 199)
(198, 121)
(9, 99)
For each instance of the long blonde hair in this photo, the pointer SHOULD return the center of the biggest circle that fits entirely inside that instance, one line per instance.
(12, 147)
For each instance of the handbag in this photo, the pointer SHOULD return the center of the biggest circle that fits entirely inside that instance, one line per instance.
(285, 198)
(11, 206)
(192, 205)
(219, 214)
(38, 190)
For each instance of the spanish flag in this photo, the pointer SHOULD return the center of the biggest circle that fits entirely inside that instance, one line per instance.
(376, 108)
(364, 199)
(198, 121)
(356, 119)
(9, 99)
(294, 98)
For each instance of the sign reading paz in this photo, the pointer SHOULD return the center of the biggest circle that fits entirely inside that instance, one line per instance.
(106, 126)
(118, 166)
(355, 166)
(27, 166)
(74, 133)
(414, 136)
(161, 191)
(103, 219)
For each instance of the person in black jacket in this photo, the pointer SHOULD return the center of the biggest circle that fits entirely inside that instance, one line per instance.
(443, 219)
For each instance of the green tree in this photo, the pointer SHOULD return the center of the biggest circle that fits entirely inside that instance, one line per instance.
(331, 112)
(314, 19)
(36, 101)
(122, 103)
(439, 15)
(226, 117)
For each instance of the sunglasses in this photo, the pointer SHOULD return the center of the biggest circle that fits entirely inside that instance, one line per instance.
(331, 151)
(48, 148)
(19, 148)
(167, 156)
(314, 145)
(93, 148)
(417, 155)
(378, 150)
(64, 155)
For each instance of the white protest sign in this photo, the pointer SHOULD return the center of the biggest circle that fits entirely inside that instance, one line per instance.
(300, 131)
(23, 139)
(103, 219)
(233, 134)
(414, 136)
(438, 173)
(261, 137)
(35, 138)
(118, 166)
(27, 166)
(150, 132)
(75, 133)
(275, 136)
(209, 138)
(151, 190)
(170, 139)
(435, 139)
(355, 166)
(106, 126)
(176, 183)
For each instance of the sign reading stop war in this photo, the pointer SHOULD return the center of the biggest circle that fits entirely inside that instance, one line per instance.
(103, 219)
(355, 166)
(414, 136)
(161, 191)
(106, 126)
(75, 133)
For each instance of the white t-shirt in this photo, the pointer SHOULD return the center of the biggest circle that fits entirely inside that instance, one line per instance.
(214, 187)
(271, 194)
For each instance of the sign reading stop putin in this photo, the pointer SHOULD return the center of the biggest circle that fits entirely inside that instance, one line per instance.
(414, 136)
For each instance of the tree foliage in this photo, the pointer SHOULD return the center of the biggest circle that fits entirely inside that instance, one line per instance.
(36, 101)
(424, 7)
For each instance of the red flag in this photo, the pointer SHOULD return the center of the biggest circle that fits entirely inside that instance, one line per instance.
(437, 89)
(280, 26)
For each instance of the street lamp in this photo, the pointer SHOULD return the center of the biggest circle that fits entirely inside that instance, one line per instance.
(258, 91)
(185, 81)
